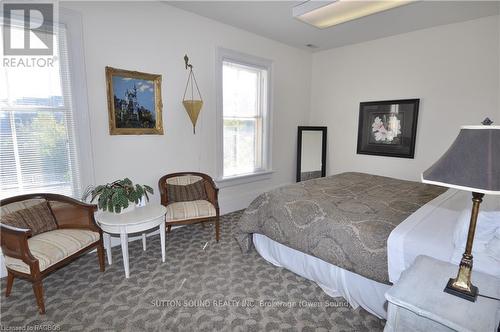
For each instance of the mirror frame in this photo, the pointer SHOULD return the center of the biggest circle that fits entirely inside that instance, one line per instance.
(299, 148)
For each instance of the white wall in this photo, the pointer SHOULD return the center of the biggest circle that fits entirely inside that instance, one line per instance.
(498, 108)
(153, 37)
(453, 69)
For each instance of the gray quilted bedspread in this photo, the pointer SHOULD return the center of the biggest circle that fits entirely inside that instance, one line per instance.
(343, 219)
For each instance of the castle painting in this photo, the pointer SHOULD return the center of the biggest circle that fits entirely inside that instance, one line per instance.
(134, 102)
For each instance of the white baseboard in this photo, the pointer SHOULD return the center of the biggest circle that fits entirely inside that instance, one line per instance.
(3, 270)
(242, 200)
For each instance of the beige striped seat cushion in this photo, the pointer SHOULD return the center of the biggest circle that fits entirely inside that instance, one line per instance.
(52, 247)
(189, 210)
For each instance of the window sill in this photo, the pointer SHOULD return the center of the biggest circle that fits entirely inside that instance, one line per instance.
(242, 179)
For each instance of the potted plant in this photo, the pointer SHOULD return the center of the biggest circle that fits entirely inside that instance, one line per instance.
(118, 196)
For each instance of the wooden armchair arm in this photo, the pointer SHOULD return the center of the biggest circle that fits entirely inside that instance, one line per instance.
(162, 186)
(70, 213)
(14, 243)
(212, 193)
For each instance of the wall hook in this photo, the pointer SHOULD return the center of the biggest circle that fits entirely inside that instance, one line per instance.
(186, 61)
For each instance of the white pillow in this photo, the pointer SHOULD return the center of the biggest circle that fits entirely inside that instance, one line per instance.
(493, 247)
(488, 222)
(486, 239)
(490, 203)
(481, 262)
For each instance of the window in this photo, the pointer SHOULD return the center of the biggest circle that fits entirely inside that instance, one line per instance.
(38, 148)
(245, 116)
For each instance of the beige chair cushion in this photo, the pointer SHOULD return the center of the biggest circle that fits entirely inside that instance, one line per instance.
(52, 247)
(190, 210)
(183, 180)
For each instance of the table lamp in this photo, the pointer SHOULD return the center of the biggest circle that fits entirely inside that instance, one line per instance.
(472, 163)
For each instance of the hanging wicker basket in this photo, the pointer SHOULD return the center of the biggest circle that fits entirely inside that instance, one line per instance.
(193, 106)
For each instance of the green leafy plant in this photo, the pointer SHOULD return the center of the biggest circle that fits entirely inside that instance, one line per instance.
(117, 195)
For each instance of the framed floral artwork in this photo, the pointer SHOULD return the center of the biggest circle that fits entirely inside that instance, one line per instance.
(388, 128)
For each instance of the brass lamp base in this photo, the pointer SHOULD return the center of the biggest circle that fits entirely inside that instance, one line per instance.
(469, 295)
(461, 286)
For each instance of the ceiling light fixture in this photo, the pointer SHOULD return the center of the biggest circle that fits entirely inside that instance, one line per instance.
(324, 14)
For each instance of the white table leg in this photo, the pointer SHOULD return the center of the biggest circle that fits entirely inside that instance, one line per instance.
(107, 244)
(162, 240)
(124, 241)
(144, 241)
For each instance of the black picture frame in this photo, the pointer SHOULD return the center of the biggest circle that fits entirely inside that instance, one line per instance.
(300, 129)
(388, 128)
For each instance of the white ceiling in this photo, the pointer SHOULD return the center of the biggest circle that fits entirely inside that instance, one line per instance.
(273, 19)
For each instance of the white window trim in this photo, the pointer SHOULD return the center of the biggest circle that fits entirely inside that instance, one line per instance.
(224, 54)
(76, 58)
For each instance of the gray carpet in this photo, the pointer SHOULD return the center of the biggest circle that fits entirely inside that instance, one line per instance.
(212, 287)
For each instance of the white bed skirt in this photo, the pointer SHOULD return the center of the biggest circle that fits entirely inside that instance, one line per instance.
(335, 281)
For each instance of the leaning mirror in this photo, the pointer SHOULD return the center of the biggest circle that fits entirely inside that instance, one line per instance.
(311, 153)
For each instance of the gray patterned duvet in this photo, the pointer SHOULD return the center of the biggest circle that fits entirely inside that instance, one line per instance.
(343, 219)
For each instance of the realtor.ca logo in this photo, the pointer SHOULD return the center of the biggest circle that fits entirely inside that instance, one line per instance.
(28, 30)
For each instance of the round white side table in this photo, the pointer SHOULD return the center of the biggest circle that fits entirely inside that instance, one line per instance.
(138, 220)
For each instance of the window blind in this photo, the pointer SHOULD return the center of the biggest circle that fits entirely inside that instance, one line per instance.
(38, 151)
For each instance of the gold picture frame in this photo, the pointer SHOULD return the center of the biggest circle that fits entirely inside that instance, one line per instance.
(134, 102)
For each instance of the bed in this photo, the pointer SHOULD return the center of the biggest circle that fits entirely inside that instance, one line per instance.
(423, 215)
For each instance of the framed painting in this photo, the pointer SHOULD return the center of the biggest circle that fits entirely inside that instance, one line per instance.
(134, 102)
(388, 128)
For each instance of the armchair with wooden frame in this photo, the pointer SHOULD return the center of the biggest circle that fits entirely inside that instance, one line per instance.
(74, 220)
(190, 211)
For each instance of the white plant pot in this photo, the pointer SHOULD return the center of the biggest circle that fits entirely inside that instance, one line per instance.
(142, 202)
(131, 207)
